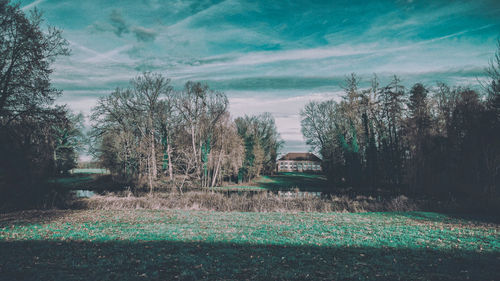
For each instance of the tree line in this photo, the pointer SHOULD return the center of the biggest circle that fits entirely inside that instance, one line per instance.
(437, 140)
(148, 134)
(37, 139)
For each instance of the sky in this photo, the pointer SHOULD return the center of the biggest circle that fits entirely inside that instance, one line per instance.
(268, 56)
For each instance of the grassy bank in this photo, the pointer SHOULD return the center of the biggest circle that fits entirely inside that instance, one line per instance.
(190, 245)
(245, 201)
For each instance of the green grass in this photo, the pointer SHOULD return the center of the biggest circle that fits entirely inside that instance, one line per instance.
(90, 171)
(286, 181)
(81, 178)
(192, 245)
(74, 181)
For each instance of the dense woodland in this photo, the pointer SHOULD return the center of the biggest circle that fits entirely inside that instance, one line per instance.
(436, 139)
(37, 139)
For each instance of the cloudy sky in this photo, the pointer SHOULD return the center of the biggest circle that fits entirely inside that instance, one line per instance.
(270, 56)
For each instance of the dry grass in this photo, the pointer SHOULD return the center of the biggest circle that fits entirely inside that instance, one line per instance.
(246, 202)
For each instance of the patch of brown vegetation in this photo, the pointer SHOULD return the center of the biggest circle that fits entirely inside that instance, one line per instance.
(246, 202)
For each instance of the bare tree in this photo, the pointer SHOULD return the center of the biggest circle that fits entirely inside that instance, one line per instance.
(262, 143)
(26, 55)
(200, 109)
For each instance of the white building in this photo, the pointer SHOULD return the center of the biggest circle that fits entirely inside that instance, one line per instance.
(299, 162)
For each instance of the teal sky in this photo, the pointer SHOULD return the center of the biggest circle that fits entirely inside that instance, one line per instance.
(269, 55)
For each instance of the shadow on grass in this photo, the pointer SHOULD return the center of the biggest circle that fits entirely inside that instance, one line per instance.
(32, 217)
(167, 260)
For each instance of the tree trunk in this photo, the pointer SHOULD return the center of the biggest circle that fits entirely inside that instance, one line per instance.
(170, 167)
(216, 170)
(195, 154)
(154, 168)
(126, 159)
(150, 177)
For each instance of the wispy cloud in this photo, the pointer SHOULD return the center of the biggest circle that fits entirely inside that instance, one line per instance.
(456, 34)
(301, 54)
(107, 56)
(270, 56)
(31, 5)
(144, 34)
(117, 24)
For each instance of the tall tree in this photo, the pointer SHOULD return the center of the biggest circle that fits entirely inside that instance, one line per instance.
(200, 108)
(491, 151)
(68, 140)
(321, 131)
(392, 102)
(262, 143)
(26, 55)
(147, 90)
(168, 120)
(135, 116)
(418, 133)
(29, 124)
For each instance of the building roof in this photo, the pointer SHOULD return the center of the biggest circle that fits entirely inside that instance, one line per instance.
(300, 156)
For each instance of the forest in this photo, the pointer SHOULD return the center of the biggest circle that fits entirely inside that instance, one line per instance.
(436, 140)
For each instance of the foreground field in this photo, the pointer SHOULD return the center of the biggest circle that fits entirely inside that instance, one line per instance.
(192, 245)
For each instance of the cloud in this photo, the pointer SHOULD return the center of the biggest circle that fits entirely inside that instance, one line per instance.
(115, 24)
(418, 18)
(107, 56)
(271, 56)
(209, 12)
(144, 34)
(118, 23)
(32, 5)
(281, 56)
(285, 109)
(294, 146)
(300, 54)
(278, 82)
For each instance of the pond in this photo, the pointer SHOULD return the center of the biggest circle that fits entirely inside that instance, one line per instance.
(295, 194)
(83, 193)
(281, 193)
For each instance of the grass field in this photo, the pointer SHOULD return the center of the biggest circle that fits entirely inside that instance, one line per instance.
(79, 178)
(193, 245)
(285, 182)
(89, 171)
(73, 181)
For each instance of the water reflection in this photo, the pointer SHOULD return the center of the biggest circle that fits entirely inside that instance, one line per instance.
(82, 193)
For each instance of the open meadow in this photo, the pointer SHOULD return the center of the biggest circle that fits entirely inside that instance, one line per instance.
(285, 181)
(194, 245)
